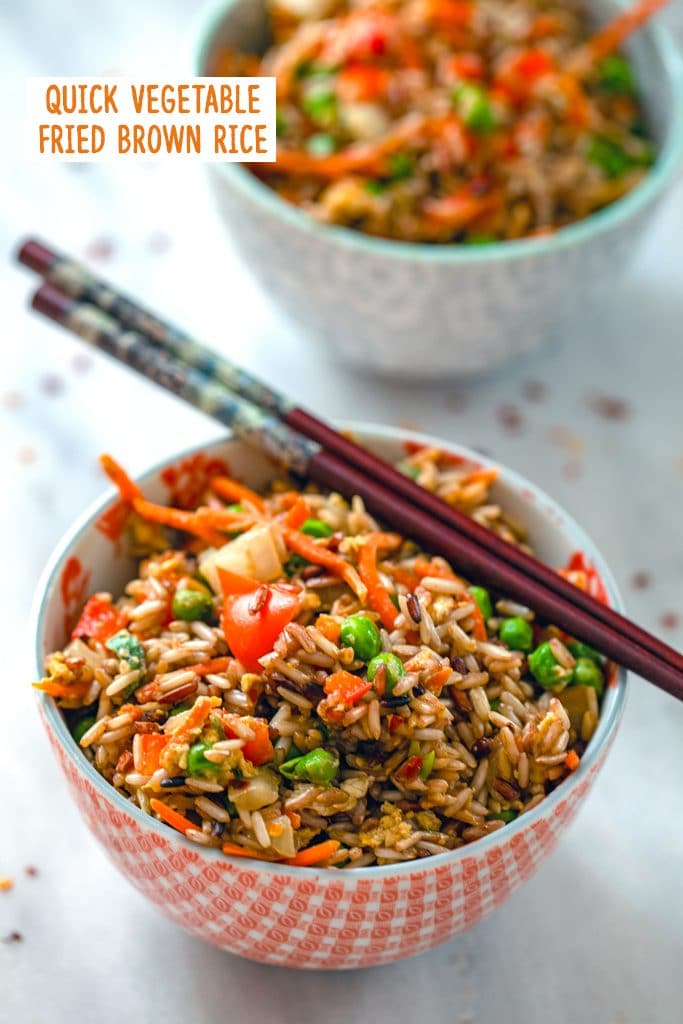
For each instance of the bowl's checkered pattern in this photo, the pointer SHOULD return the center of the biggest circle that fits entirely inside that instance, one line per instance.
(305, 918)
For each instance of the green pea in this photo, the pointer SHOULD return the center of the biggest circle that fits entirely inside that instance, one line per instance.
(616, 75)
(317, 766)
(401, 166)
(393, 668)
(517, 634)
(197, 764)
(317, 528)
(427, 765)
(321, 106)
(80, 728)
(475, 108)
(191, 604)
(581, 650)
(178, 709)
(507, 815)
(320, 144)
(546, 669)
(483, 600)
(587, 673)
(362, 634)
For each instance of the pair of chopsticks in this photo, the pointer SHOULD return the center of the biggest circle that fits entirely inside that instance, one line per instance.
(256, 413)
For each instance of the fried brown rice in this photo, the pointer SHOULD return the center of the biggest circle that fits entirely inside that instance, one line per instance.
(284, 680)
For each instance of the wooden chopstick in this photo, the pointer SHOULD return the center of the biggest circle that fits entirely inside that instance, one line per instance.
(259, 427)
(75, 279)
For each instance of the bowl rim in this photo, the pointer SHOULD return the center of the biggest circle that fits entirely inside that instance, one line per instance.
(369, 432)
(610, 217)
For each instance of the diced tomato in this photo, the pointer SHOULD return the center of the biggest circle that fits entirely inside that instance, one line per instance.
(251, 623)
(151, 747)
(519, 73)
(99, 619)
(410, 769)
(346, 688)
(361, 82)
(260, 749)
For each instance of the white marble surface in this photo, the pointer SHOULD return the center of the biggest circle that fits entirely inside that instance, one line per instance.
(597, 935)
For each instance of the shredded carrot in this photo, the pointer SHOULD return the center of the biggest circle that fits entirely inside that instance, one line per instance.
(196, 717)
(178, 519)
(437, 680)
(459, 209)
(151, 746)
(345, 688)
(223, 519)
(293, 817)
(407, 577)
(314, 854)
(426, 567)
(479, 628)
(359, 156)
(613, 34)
(308, 548)
(298, 514)
(233, 850)
(329, 627)
(170, 816)
(126, 487)
(231, 489)
(572, 760)
(378, 595)
(54, 689)
(215, 665)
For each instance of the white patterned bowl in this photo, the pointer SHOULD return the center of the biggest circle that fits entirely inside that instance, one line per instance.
(307, 917)
(416, 310)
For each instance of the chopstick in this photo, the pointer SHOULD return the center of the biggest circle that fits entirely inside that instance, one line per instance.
(252, 423)
(75, 279)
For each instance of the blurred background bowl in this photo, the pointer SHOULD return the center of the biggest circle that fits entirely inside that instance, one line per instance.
(308, 917)
(408, 309)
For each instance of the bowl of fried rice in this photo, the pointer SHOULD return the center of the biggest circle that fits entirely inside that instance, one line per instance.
(452, 176)
(304, 739)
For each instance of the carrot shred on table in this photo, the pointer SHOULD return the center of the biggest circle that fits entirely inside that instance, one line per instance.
(314, 854)
(378, 596)
(318, 554)
(196, 717)
(234, 491)
(170, 816)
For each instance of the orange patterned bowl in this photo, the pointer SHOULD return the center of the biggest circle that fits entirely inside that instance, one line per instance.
(305, 917)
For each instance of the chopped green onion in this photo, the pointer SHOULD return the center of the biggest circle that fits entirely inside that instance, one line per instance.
(401, 166)
(80, 728)
(475, 108)
(321, 107)
(483, 601)
(480, 239)
(374, 187)
(616, 75)
(609, 156)
(316, 766)
(507, 815)
(427, 765)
